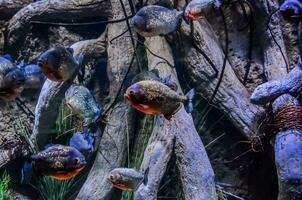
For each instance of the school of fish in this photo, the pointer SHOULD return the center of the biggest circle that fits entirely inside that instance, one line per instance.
(148, 92)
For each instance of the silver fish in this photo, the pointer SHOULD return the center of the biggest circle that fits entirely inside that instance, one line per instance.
(156, 20)
(127, 179)
(81, 102)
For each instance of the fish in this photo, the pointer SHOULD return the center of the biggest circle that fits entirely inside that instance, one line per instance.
(58, 63)
(128, 179)
(12, 80)
(291, 10)
(154, 20)
(197, 9)
(34, 78)
(58, 161)
(155, 98)
(82, 103)
(82, 141)
(154, 75)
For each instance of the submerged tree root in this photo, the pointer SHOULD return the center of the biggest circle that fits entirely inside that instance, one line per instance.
(52, 11)
(196, 173)
(232, 97)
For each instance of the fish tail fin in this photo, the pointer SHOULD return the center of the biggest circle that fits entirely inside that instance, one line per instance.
(146, 173)
(189, 104)
(218, 3)
(26, 172)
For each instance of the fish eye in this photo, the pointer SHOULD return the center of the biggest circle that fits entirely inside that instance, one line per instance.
(76, 161)
(111, 177)
(131, 92)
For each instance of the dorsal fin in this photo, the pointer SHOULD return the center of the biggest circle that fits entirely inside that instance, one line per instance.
(170, 83)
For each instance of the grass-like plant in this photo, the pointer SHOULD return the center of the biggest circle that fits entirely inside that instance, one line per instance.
(5, 194)
(51, 189)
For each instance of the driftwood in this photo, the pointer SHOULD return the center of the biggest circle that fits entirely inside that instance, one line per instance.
(52, 11)
(113, 146)
(46, 112)
(274, 63)
(232, 97)
(288, 84)
(196, 173)
(9, 7)
(92, 49)
(287, 140)
(288, 151)
(287, 143)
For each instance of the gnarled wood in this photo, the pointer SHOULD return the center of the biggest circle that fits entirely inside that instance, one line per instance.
(113, 146)
(288, 151)
(232, 97)
(289, 84)
(91, 49)
(46, 112)
(55, 11)
(196, 174)
(9, 7)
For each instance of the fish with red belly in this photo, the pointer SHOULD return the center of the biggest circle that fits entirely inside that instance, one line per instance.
(154, 98)
(128, 179)
(59, 162)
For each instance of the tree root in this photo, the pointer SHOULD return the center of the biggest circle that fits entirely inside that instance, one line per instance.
(232, 97)
(196, 173)
(52, 11)
(120, 128)
(9, 7)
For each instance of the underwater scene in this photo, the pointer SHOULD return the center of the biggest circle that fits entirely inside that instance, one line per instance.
(150, 99)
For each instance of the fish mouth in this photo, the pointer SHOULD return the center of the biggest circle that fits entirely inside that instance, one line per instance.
(127, 97)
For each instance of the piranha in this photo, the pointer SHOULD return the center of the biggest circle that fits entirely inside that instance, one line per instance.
(128, 179)
(82, 103)
(156, 20)
(196, 9)
(82, 141)
(154, 75)
(291, 10)
(59, 162)
(34, 78)
(58, 63)
(153, 97)
(11, 80)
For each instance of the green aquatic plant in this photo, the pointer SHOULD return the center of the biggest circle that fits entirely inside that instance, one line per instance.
(127, 195)
(65, 123)
(5, 194)
(52, 189)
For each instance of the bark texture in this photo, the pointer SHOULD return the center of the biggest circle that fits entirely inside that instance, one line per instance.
(52, 11)
(197, 179)
(120, 128)
(232, 97)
